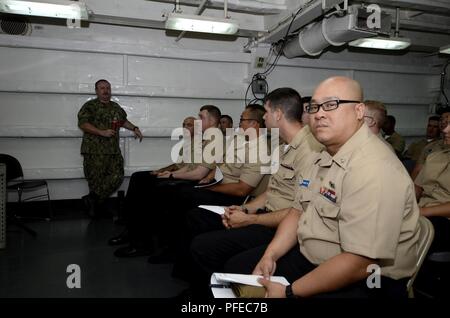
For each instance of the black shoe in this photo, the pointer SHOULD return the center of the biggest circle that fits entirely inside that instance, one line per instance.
(164, 256)
(131, 251)
(120, 239)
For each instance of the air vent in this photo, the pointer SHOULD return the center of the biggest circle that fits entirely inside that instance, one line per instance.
(14, 25)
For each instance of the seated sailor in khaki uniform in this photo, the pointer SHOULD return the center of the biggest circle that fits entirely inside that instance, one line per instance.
(355, 211)
(433, 189)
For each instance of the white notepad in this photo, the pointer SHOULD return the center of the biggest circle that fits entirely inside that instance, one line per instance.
(225, 279)
(214, 208)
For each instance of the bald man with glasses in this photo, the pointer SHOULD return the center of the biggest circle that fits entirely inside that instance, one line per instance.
(355, 210)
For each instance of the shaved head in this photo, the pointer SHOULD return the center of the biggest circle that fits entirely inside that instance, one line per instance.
(348, 88)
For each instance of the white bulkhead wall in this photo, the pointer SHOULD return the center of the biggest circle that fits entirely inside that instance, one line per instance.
(45, 78)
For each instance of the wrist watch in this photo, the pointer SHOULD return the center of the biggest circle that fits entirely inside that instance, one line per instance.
(135, 127)
(289, 293)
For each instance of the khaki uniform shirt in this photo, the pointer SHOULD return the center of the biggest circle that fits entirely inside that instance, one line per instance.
(294, 161)
(415, 149)
(101, 116)
(434, 178)
(187, 162)
(214, 151)
(360, 201)
(385, 142)
(242, 168)
(433, 146)
(397, 142)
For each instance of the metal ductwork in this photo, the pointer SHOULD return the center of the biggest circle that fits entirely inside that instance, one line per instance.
(334, 30)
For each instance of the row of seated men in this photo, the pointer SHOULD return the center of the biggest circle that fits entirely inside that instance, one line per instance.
(340, 202)
(412, 154)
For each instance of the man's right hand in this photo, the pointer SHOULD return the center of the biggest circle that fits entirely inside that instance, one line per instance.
(107, 133)
(265, 267)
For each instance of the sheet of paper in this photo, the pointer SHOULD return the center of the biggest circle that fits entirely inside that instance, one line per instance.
(224, 279)
(213, 208)
(247, 279)
(220, 292)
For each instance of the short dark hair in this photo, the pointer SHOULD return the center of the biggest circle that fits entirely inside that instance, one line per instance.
(257, 112)
(213, 111)
(391, 119)
(227, 117)
(306, 99)
(288, 100)
(443, 109)
(99, 81)
(435, 118)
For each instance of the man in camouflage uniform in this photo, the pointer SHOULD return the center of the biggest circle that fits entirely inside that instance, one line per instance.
(100, 120)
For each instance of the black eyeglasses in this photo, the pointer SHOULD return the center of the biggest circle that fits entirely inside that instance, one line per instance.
(313, 108)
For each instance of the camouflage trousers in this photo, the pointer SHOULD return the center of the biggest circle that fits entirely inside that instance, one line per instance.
(104, 173)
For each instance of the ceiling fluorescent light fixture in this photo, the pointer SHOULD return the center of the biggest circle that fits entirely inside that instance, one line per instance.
(393, 43)
(445, 49)
(63, 9)
(195, 23)
(387, 43)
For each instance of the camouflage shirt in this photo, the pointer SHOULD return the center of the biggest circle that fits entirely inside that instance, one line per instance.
(101, 116)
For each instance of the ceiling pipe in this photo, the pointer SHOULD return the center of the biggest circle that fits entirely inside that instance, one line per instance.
(333, 30)
(244, 6)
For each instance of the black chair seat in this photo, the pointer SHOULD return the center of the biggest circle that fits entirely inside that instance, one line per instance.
(16, 183)
(27, 184)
